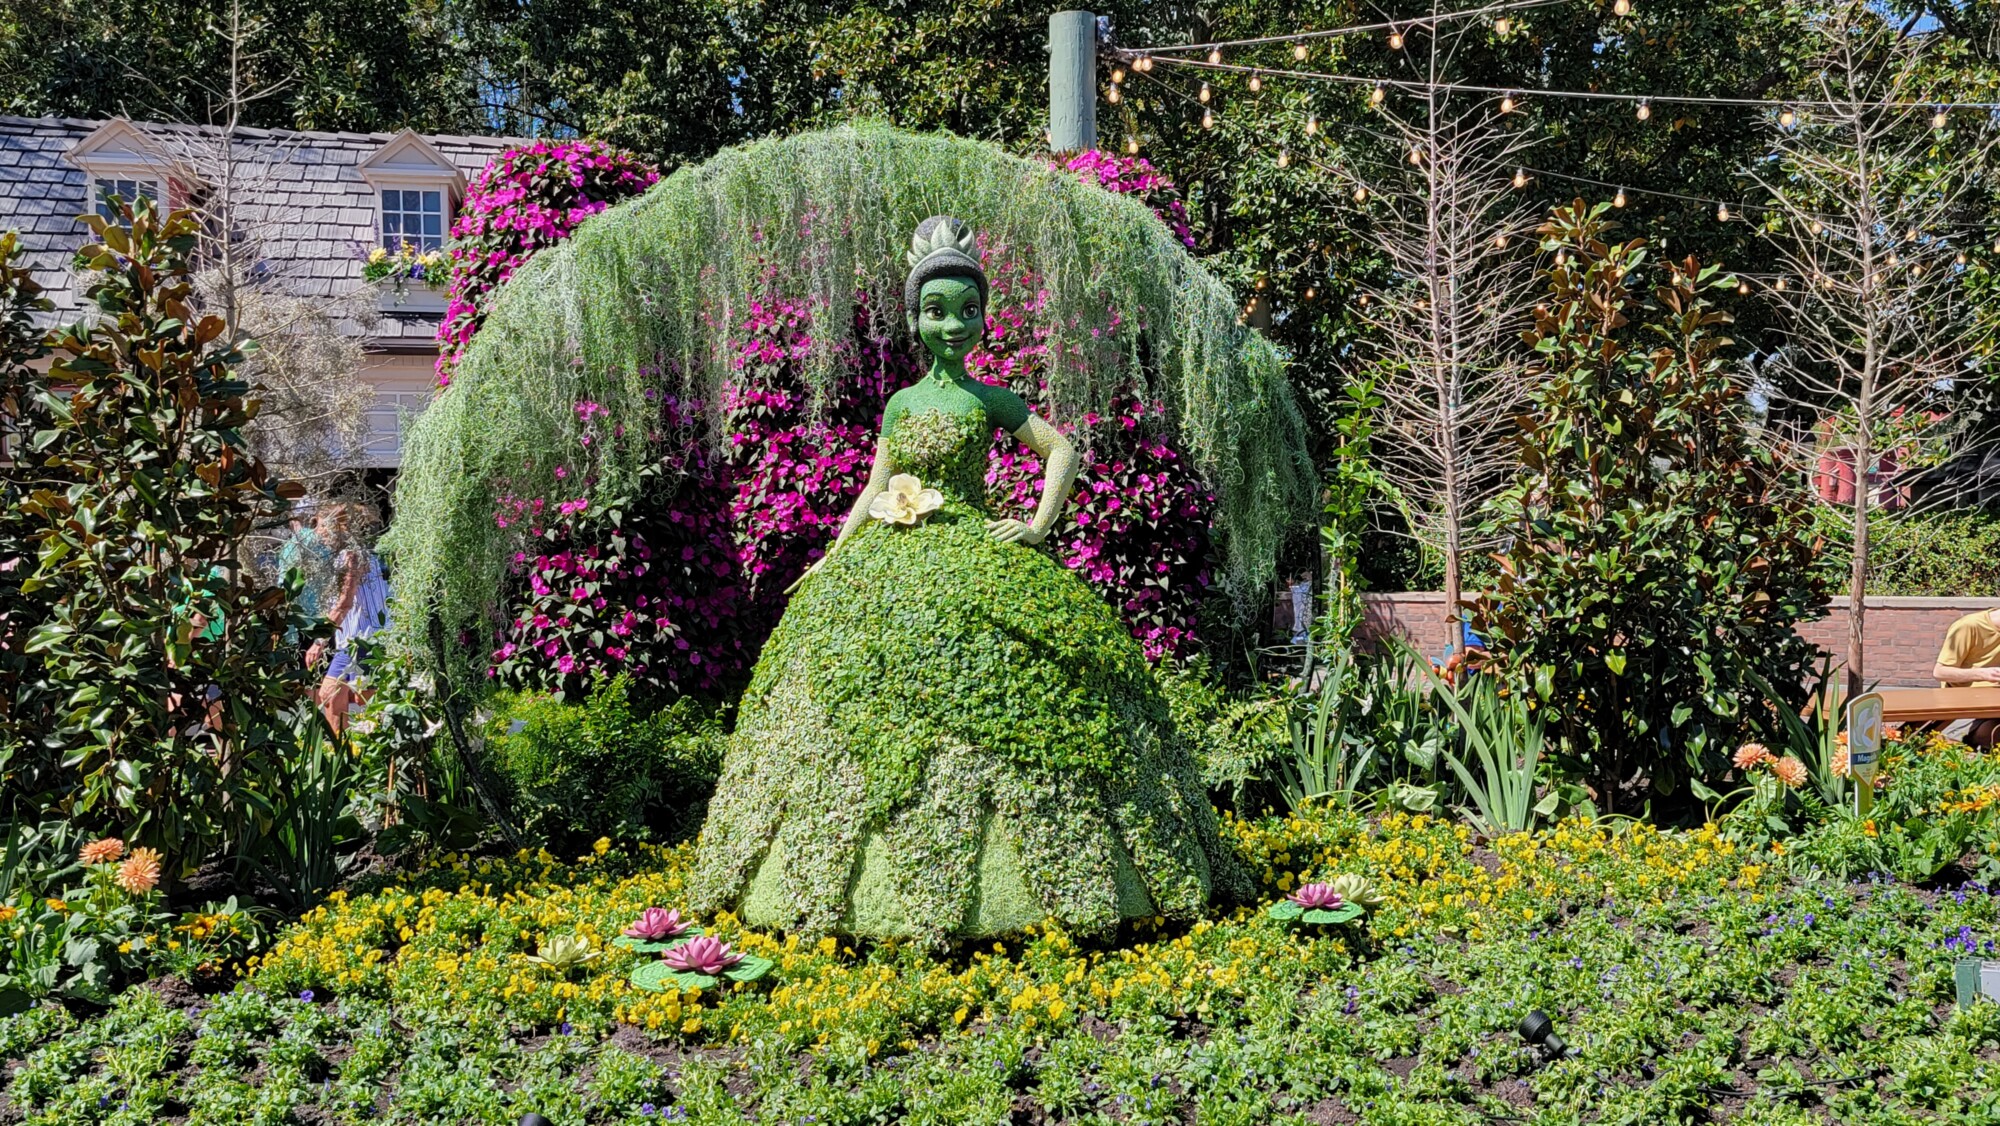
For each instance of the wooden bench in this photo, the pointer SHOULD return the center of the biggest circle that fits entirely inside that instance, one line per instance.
(1917, 705)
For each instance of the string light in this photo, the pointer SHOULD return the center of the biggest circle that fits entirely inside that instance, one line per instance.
(1215, 57)
(1619, 199)
(1520, 177)
(1787, 118)
(1376, 95)
(1299, 51)
(1312, 126)
(1781, 284)
(1502, 26)
(1118, 74)
(1112, 94)
(1621, 8)
(1205, 94)
(1132, 145)
(1395, 41)
(1960, 258)
(1940, 119)
(1507, 103)
(1743, 287)
(1562, 257)
(1361, 196)
(1207, 119)
(1284, 158)
(1500, 242)
(1645, 110)
(1256, 84)
(1818, 227)
(1996, 246)
(1912, 234)
(1364, 299)
(1722, 212)
(1311, 293)
(1416, 155)
(1143, 64)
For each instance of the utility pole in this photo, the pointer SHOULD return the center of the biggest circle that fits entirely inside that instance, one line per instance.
(1072, 81)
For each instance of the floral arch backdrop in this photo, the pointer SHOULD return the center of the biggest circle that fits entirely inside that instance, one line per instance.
(651, 428)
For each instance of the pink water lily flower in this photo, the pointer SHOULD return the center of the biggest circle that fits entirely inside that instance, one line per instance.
(708, 956)
(655, 924)
(1317, 897)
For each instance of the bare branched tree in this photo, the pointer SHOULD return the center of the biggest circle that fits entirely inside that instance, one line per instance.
(1873, 181)
(312, 422)
(1458, 237)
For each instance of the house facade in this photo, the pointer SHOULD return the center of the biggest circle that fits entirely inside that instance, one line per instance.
(307, 206)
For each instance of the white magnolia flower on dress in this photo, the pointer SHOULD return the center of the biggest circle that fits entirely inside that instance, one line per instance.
(905, 501)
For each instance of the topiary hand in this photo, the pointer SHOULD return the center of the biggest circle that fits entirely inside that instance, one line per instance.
(1015, 531)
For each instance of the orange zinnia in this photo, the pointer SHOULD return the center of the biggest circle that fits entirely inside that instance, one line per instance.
(1841, 766)
(1790, 771)
(102, 851)
(141, 871)
(1749, 755)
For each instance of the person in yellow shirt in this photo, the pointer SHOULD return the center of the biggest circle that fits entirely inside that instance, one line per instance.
(1971, 656)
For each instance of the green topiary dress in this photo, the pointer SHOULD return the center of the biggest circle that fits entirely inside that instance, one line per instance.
(951, 736)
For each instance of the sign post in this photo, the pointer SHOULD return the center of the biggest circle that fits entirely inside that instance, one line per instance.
(1864, 747)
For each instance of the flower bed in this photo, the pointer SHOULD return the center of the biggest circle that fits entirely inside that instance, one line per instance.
(1695, 982)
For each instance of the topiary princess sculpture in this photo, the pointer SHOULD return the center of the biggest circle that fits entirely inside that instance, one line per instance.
(949, 735)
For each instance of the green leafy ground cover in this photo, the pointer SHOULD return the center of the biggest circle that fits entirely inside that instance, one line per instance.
(1705, 975)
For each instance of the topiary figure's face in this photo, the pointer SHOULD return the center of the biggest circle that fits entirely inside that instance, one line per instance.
(950, 317)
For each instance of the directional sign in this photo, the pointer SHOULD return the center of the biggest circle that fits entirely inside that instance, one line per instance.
(1864, 747)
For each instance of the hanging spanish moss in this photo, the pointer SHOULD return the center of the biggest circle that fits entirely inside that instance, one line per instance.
(644, 300)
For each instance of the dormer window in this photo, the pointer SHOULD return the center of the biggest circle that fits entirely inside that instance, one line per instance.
(121, 161)
(413, 217)
(125, 188)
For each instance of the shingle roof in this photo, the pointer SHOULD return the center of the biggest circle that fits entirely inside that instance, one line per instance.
(305, 191)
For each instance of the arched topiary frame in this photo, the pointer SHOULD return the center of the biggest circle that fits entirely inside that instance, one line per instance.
(645, 296)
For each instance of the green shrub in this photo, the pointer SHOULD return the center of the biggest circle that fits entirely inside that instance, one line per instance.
(1951, 553)
(1658, 562)
(578, 771)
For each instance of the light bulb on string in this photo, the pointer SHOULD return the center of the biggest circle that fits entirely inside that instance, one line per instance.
(1312, 126)
(1645, 110)
(1917, 269)
(1284, 158)
(1364, 299)
(1112, 95)
(1507, 103)
(1743, 287)
(1562, 257)
(1722, 212)
(1621, 7)
(1299, 51)
(1780, 287)
(1787, 118)
(1619, 199)
(1520, 177)
(1502, 26)
(1416, 155)
(1960, 258)
(1132, 146)
(1996, 246)
(1215, 56)
(1376, 95)
(1818, 227)
(1207, 119)
(1395, 40)
(1205, 94)
(1143, 64)
(1256, 83)
(1912, 234)
(1361, 196)
(1941, 118)
(1499, 242)
(1311, 293)
(1118, 74)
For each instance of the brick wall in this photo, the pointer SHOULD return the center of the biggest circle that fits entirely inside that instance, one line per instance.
(1902, 644)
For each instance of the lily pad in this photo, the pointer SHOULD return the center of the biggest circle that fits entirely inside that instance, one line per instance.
(658, 977)
(643, 946)
(1285, 910)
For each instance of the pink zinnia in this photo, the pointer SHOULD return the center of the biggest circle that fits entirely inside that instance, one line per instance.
(1749, 755)
(655, 924)
(706, 956)
(1790, 771)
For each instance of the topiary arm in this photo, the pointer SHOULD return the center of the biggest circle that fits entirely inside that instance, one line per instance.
(1060, 457)
(878, 479)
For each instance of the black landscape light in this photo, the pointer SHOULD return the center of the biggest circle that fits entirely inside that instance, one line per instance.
(1536, 1029)
(533, 1119)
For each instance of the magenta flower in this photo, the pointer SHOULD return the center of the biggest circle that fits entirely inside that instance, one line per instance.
(706, 956)
(1317, 897)
(656, 923)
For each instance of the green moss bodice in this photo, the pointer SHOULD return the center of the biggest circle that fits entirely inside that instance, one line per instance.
(940, 430)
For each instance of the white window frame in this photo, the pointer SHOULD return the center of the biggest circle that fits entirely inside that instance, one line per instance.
(153, 187)
(407, 162)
